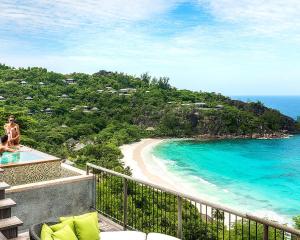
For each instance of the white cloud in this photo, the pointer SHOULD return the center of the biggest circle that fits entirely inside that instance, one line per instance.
(261, 16)
(37, 14)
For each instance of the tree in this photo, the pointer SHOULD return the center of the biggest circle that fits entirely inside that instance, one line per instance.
(297, 221)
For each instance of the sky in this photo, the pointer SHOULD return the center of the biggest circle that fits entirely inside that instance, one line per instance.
(244, 47)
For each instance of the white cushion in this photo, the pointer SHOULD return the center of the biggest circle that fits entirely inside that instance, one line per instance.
(159, 236)
(123, 235)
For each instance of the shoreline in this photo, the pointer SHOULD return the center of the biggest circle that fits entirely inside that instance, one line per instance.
(146, 167)
(138, 157)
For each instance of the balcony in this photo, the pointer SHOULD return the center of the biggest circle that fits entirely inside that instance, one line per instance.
(126, 203)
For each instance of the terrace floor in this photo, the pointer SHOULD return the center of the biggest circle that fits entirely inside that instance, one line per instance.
(106, 225)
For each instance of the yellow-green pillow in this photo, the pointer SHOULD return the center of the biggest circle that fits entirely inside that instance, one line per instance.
(94, 214)
(86, 228)
(46, 232)
(64, 233)
(59, 226)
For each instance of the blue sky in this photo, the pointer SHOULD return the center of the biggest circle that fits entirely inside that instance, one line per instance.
(245, 47)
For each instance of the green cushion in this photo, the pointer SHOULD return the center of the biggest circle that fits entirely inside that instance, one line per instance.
(65, 233)
(94, 214)
(46, 232)
(59, 226)
(86, 228)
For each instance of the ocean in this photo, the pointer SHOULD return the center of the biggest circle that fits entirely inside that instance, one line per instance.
(257, 176)
(288, 105)
(261, 177)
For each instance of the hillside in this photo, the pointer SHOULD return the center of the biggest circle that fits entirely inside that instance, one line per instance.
(86, 117)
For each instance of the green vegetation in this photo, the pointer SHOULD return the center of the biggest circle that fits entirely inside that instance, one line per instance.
(298, 124)
(297, 221)
(106, 109)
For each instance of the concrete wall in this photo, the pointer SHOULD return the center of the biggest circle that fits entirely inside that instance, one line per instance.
(44, 201)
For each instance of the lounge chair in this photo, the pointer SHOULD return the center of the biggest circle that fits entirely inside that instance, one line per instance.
(35, 233)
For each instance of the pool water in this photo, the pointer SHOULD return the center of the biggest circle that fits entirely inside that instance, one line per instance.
(20, 157)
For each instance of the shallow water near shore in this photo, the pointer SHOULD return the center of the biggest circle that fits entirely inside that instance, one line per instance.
(257, 176)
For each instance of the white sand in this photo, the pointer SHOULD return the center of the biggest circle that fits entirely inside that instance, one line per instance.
(138, 157)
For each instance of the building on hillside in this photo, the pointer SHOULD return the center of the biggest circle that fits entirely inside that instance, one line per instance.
(220, 106)
(186, 104)
(48, 111)
(70, 81)
(23, 82)
(86, 109)
(100, 91)
(200, 104)
(41, 83)
(29, 98)
(95, 109)
(127, 90)
(64, 96)
(150, 129)
(2, 98)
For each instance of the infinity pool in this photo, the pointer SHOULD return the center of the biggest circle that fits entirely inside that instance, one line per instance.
(25, 155)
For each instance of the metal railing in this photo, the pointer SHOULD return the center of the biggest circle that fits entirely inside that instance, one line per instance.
(139, 205)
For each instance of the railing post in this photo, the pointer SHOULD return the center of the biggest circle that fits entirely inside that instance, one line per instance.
(179, 213)
(87, 169)
(125, 191)
(266, 232)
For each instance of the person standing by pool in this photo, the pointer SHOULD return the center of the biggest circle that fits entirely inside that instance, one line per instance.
(4, 145)
(12, 131)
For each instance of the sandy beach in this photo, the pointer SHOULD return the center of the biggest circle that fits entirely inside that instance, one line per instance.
(144, 166)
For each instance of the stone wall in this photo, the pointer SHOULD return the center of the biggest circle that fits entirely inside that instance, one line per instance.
(46, 201)
(34, 172)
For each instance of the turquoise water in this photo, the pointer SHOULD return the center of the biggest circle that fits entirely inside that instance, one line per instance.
(288, 105)
(261, 176)
(17, 157)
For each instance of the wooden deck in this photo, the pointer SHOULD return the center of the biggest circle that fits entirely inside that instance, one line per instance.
(105, 225)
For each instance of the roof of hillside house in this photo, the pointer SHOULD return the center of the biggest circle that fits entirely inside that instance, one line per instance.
(200, 103)
(2, 98)
(185, 104)
(29, 98)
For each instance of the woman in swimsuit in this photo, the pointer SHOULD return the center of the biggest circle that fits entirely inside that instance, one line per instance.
(12, 131)
(3, 145)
